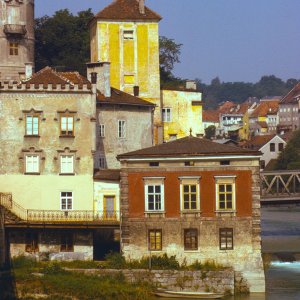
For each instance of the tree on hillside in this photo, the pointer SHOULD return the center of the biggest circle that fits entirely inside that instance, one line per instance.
(62, 41)
(210, 132)
(289, 159)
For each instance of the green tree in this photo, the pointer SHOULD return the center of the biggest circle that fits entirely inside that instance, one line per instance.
(289, 159)
(210, 131)
(62, 41)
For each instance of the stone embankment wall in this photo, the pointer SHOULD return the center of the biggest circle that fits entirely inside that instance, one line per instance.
(206, 281)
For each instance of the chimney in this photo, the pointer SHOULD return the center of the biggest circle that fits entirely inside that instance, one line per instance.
(141, 6)
(98, 74)
(28, 70)
(191, 85)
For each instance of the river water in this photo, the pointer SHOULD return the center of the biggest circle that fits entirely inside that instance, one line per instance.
(280, 239)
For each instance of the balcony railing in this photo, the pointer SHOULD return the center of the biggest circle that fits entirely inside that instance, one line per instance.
(57, 216)
(15, 29)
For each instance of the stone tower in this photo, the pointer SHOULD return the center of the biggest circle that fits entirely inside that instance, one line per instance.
(16, 39)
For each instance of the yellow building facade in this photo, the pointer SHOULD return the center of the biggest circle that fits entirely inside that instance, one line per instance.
(127, 37)
(181, 113)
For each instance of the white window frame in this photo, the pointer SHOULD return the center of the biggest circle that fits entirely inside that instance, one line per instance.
(221, 180)
(31, 129)
(121, 129)
(167, 114)
(154, 182)
(67, 198)
(66, 164)
(102, 130)
(33, 169)
(66, 125)
(186, 180)
(128, 34)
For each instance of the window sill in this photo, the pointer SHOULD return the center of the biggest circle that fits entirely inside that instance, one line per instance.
(149, 214)
(35, 174)
(31, 136)
(225, 212)
(66, 174)
(67, 136)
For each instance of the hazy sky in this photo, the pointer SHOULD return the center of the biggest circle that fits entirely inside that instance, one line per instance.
(237, 40)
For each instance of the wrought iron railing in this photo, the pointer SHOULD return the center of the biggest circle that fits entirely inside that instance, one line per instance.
(280, 184)
(57, 216)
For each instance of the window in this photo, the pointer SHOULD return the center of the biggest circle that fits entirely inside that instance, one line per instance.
(190, 239)
(173, 137)
(154, 164)
(32, 125)
(101, 130)
(272, 147)
(66, 200)
(67, 242)
(32, 242)
(155, 239)
(154, 194)
(102, 162)
(128, 34)
(13, 49)
(67, 164)
(32, 164)
(189, 193)
(226, 238)
(121, 129)
(280, 147)
(225, 193)
(66, 125)
(225, 162)
(166, 114)
(262, 164)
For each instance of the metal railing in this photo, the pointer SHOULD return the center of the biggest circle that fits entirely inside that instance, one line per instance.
(57, 216)
(280, 184)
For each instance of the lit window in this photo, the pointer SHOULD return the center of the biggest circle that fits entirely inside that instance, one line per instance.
(32, 163)
(225, 193)
(101, 130)
(121, 129)
(66, 200)
(155, 239)
(154, 194)
(13, 49)
(32, 125)
(67, 243)
(226, 238)
(66, 125)
(190, 195)
(190, 239)
(66, 164)
(128, 34)
(166, 114)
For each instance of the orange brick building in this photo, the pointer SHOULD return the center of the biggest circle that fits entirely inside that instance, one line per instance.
(195, 199)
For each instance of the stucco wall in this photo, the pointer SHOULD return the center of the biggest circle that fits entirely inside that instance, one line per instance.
(184, 115)
(42, 191)
(139, 131)
(267, 154)
(12, 65)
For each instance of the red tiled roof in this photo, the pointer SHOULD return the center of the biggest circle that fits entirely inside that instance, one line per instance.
(49, 76)
(210, 116)
(226, 106)
(292, 95)
(126, 10)
(119, 97)
(265, 108)
(258, 141)
(262, 124)
(186, 147)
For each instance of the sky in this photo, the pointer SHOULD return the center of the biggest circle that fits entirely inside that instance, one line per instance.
(236, 40)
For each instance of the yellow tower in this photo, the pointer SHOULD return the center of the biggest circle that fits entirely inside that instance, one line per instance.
(125, 33)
